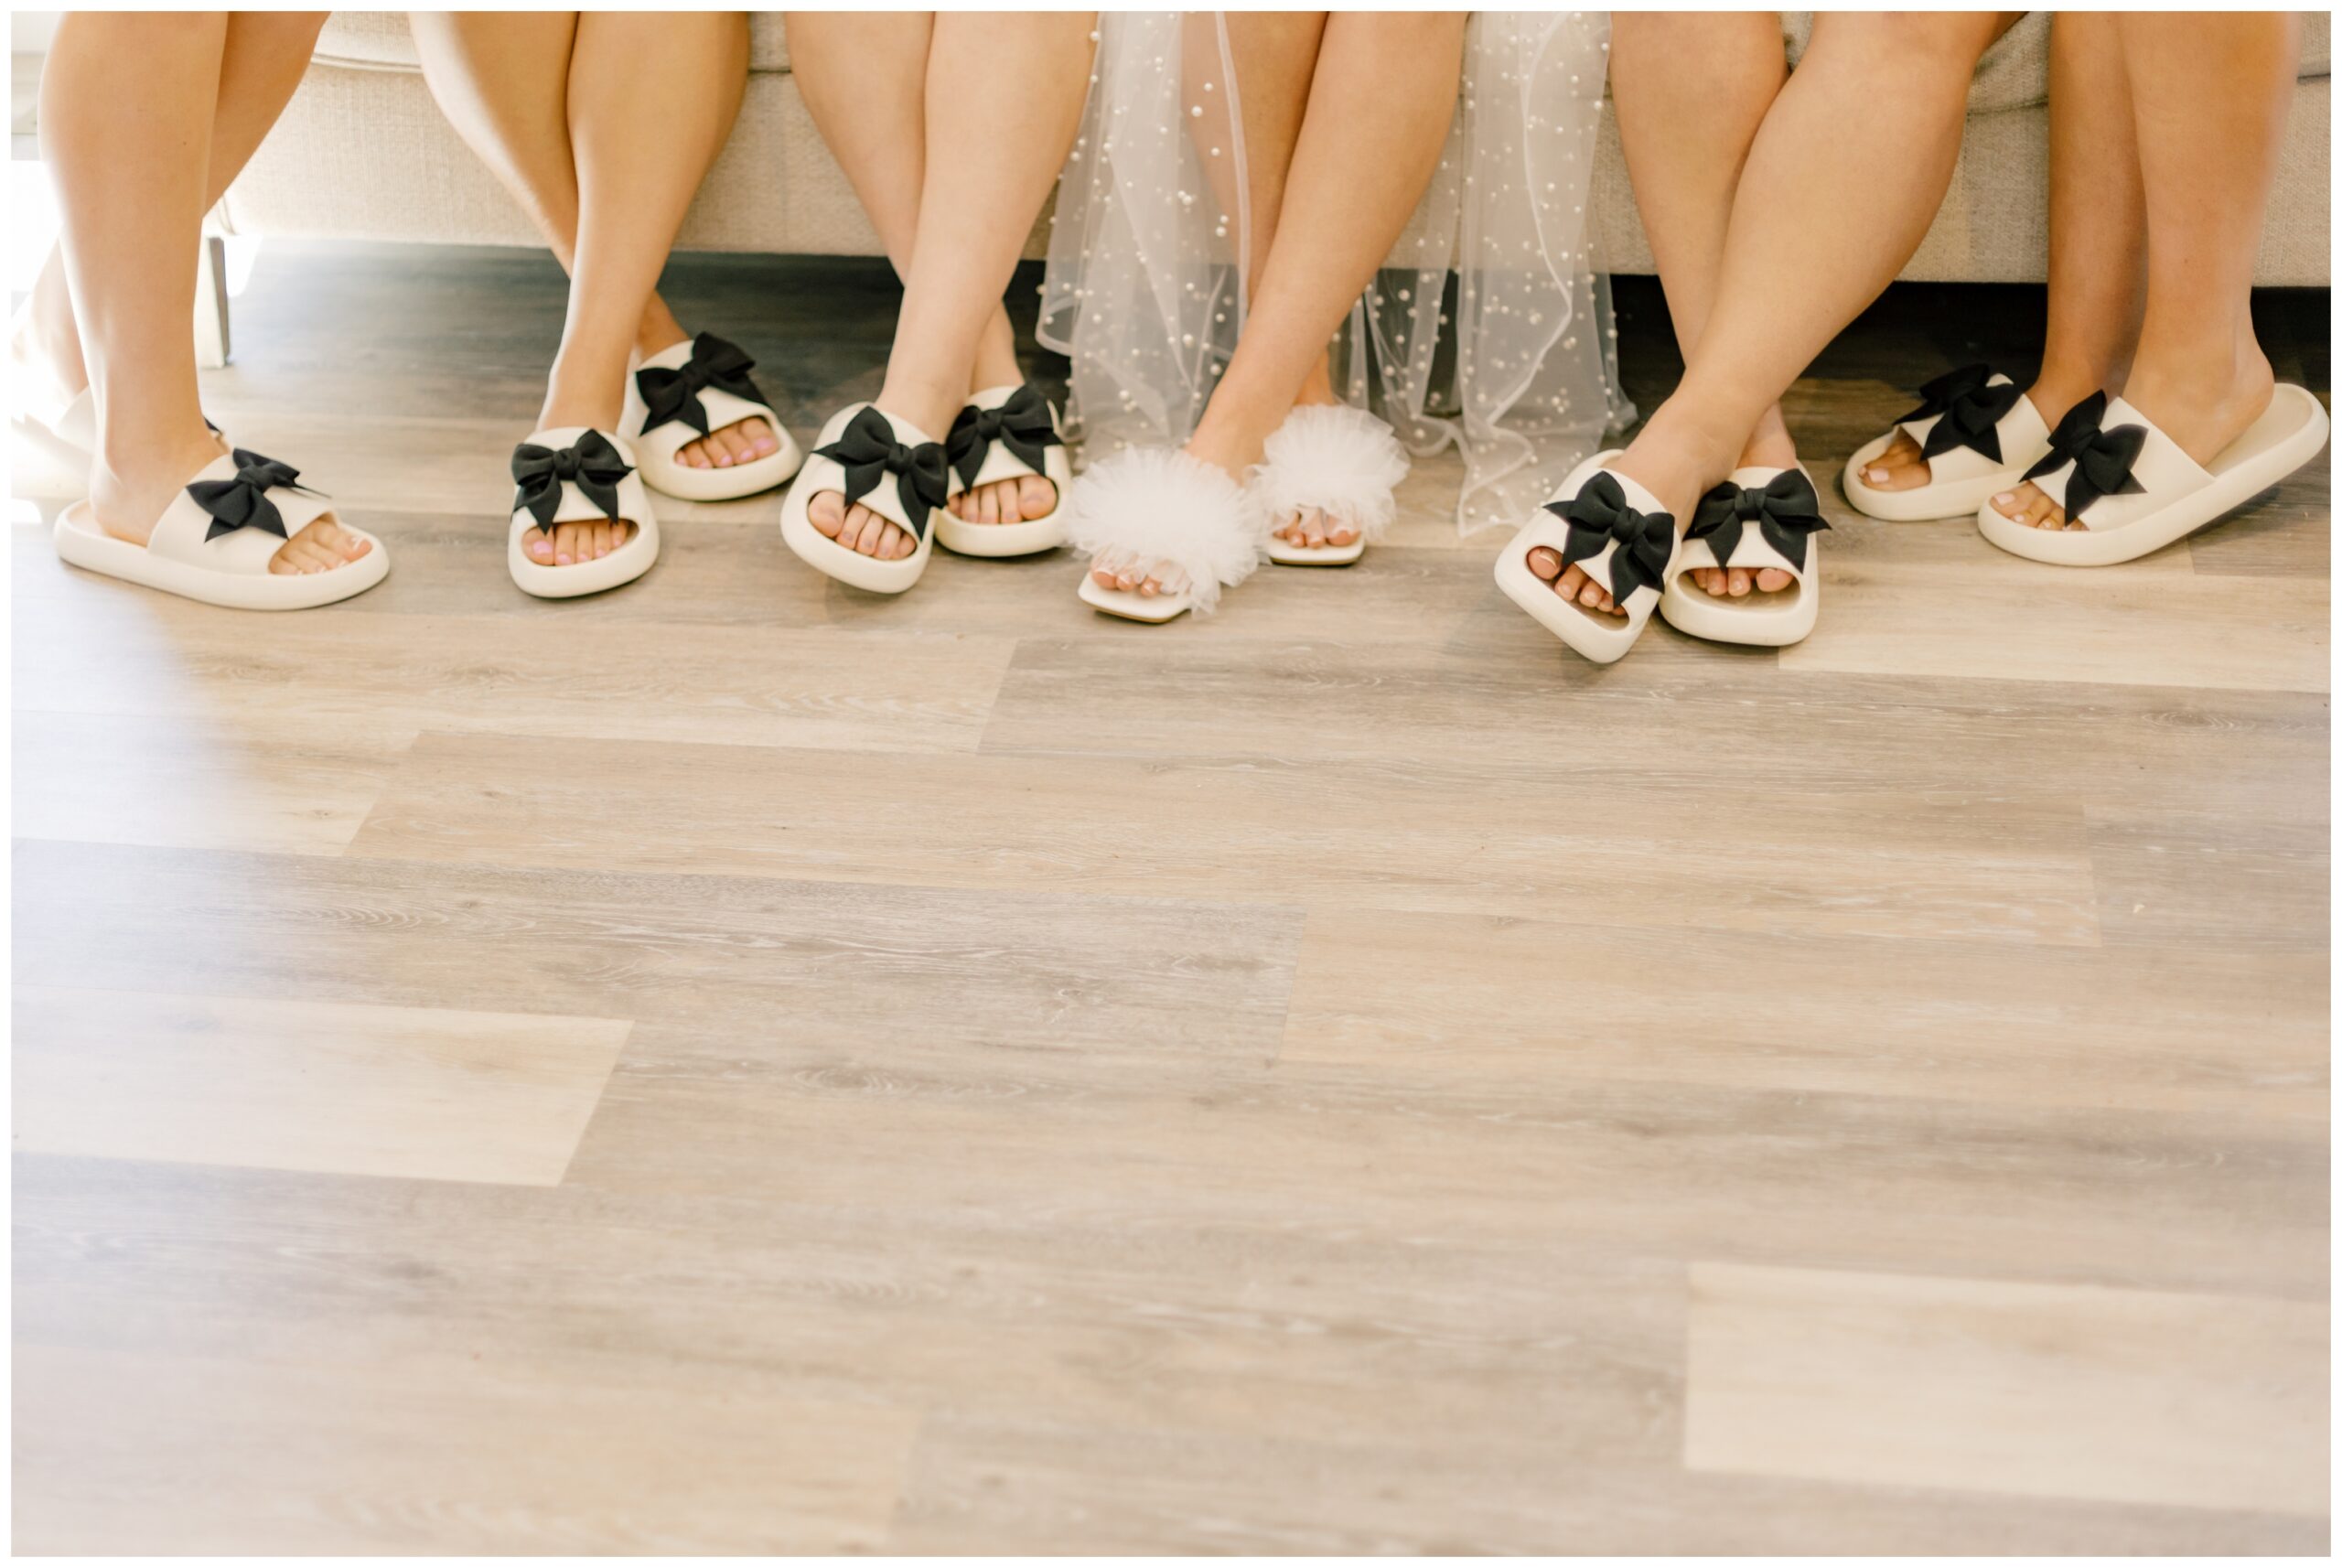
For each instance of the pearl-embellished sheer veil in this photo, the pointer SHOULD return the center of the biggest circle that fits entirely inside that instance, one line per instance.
(1486, 329)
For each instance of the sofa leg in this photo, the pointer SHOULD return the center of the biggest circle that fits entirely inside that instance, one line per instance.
(211, 304)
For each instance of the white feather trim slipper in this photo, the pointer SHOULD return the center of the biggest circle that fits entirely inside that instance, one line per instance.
(1161, 505)
(2128, 490)
(1336, 460)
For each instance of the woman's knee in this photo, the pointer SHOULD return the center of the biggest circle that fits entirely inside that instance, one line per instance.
(1693, 45)
(1916, 49)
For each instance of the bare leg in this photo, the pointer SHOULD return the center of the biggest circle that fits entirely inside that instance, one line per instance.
(131, 174)
(1380, 97)
(1692, 90)
(1823, 222)
(864, 77)
(502, 78)
(989, 161)
(1275, 55)
(260, 66)
(633, 188)
(2098, 233)
(2209, 98)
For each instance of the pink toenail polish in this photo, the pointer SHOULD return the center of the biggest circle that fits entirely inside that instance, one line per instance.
(2006, 497)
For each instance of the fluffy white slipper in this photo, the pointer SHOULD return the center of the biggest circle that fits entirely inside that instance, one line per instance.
(1005, 433)
(576, 474)
(1334, 459)
(2132, 488)
(215, 540)
(1978, 433)
(681, 394)
(881, 463)
(1159, 504)
(1758, 518)
(1619, 533)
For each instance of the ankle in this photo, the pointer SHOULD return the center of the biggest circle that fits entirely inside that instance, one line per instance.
(927, 403)
(580, 396)
(1678, 455)
(1769, 446)
(1229, 442)
(130, 484)
(2066, 378)
(660, 330)
(996, 370)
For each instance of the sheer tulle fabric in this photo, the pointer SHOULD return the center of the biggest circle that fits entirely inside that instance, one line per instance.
(1144, 290)
(1485, 329)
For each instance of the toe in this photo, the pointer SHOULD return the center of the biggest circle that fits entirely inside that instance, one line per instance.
(743, 444)
(1571, 582)
(1545, 564)
(1772, 580)
(1036, 497)
(1738, 587)
(539, 546)
(826, 512)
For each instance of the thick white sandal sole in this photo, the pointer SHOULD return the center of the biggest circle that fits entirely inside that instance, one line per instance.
(81, 543)
(2289, 432)
(1929, 503)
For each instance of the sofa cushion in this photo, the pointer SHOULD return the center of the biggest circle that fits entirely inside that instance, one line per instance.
(379, 41)
(2014, 72)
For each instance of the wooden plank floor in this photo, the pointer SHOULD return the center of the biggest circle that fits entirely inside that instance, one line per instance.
(746, 1064)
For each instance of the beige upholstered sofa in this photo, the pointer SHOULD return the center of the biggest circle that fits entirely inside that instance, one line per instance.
(364, 153)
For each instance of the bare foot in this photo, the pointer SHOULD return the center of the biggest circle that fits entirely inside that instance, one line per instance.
(2202, 407)
(1307, 527)
(131, 494)
(1672, 458)
(857, 527)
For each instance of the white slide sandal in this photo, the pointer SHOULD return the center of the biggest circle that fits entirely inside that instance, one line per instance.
(1337, 460)
(1978, 432)
(861, 450)
(67, 430)
(1614, 530)
(1005, 433)
(1160, 504)
(2134, 490)
(214, 542)
(1786, 514)
(685, 390)
(577, 474)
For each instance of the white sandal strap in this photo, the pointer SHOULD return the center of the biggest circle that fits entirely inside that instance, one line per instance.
(888, 466)
(576, 474)
(1617, 531)
(235, 515)
(1160, 504)
(1337, 459)
(1973, 422)
(2108, 464)
(689, 389)
(1758, 519)
(1002, 433)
